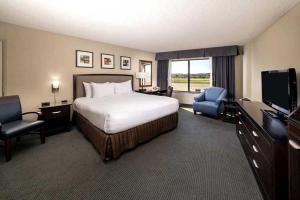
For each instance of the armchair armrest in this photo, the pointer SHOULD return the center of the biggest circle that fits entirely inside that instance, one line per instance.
(200, 97)
(222, 97)
(39, 114)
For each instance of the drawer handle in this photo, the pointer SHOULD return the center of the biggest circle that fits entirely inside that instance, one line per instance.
(240, 132)
(56, 112)
(254, 148)
(294, 144)
(255, 164)
(240, 123)
(254, 134)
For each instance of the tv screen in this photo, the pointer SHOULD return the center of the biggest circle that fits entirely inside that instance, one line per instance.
(275, 89)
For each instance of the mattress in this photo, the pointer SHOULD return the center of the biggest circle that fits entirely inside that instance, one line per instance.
(113, 114)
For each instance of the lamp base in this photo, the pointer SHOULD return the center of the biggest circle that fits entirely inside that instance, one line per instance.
(142, 90)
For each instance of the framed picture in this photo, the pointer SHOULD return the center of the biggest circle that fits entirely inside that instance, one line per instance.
(125, 63)
(107, 61)
(84, 59)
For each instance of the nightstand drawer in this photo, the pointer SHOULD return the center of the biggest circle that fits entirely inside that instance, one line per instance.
(56, 112)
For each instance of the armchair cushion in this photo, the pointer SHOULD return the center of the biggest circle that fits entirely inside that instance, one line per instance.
(15, 128)
(207, 107)
(213, 93)
(200, 97)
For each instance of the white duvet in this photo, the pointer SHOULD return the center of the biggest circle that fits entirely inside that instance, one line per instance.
(118, 113)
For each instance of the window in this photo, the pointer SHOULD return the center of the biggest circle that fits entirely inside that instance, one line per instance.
(191, 75)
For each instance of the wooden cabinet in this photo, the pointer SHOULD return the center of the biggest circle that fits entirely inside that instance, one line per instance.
(57, 117)
(264, 140)
(294, 156)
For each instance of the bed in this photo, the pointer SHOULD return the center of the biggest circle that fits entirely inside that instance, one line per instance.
(116, 124)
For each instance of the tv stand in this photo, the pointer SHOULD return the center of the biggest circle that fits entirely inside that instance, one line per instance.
(275, 115)
(265, 143)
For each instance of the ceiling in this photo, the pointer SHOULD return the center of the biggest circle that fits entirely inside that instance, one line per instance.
(151, 25)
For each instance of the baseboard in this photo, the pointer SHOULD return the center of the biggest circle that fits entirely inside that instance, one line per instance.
(185, 105)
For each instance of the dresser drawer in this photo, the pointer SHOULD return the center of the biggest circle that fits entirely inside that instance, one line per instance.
(56, 112)
(254, 135)
(242, 137)
(261, 141)
(240, 114)
(264, 173)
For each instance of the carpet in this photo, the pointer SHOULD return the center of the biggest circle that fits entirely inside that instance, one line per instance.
(201, 159)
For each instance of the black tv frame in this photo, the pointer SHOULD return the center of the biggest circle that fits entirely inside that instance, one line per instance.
(292, 93)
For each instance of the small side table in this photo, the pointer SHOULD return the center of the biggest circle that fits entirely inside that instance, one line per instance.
(57, 118)
(229, 113)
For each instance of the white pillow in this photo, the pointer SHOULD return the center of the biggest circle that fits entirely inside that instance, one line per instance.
(123, 87)
(88, 89)
(102, 89)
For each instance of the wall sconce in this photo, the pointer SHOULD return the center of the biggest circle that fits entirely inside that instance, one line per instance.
(55, 88)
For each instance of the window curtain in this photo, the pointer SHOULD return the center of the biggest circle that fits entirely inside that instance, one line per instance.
(223, 74)
(162, 74)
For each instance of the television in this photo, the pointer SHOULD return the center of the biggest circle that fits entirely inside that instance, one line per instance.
(279, 90)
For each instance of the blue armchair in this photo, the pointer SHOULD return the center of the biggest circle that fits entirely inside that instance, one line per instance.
(210, 101)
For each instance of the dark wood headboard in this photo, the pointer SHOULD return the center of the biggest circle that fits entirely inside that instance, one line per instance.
(78, 79)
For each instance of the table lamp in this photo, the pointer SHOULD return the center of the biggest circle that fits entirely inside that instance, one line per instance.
(141, 76)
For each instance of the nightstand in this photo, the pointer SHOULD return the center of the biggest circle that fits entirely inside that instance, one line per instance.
(152, 92)
(57, 118)
(229, 111)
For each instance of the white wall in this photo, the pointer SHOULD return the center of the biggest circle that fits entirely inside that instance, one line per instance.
(276, 48)
(33, 58)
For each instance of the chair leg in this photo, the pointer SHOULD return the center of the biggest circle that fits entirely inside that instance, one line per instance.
(42, 136)
(195, 112)
(7, 149)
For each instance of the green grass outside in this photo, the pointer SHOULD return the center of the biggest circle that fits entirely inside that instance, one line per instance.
(193, 80)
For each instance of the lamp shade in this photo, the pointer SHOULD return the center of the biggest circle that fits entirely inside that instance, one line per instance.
(55, 84)
(140, 75)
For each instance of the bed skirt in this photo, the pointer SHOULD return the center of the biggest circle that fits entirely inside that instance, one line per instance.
(111, 146)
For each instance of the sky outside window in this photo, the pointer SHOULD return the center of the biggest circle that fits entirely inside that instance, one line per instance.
(197, 66)
(180, 67)
(198, 78)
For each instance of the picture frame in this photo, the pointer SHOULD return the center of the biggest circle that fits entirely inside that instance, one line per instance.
(107, 61)
(84, 59)
(125, 63)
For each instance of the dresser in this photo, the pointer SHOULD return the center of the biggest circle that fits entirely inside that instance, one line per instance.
(264, 140)
(294, 155)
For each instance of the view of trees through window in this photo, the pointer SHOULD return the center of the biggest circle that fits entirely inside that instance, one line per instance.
(191, 75)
